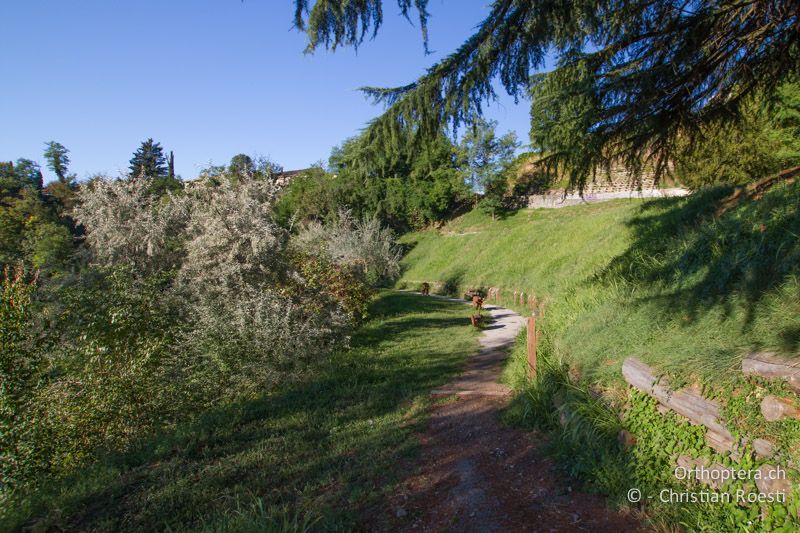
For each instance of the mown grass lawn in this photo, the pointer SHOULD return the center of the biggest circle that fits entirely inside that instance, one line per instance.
(323, 452)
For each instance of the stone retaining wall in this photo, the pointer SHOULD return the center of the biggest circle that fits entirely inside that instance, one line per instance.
(555, 200)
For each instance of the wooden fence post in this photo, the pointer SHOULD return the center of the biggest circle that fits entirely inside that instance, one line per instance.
(532, 346)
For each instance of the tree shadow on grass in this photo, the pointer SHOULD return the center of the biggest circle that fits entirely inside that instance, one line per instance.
(790, 339)
(324, 447)
(703, 261)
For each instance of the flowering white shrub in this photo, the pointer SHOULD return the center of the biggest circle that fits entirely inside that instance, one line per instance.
(127, 225)
(245, 344)
(359, 244)
(249, 329)
(232, 240)
(197, 299)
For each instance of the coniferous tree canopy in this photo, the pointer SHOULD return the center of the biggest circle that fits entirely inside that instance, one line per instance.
(343, 22)
(57, 160)
(150, 163)
(763, 141)
(149, 160)
(630, 78)
(406, 187)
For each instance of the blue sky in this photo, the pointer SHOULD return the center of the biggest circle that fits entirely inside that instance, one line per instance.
(206, 78)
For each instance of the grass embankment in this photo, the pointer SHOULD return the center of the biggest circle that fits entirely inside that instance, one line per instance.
(663, 279)
(324, 452)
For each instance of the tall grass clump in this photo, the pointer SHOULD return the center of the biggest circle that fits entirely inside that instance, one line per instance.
(583, 424)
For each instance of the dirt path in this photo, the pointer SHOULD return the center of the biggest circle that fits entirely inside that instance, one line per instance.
(477, 474)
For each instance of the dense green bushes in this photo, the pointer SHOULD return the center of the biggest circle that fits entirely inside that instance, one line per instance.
(322, 451)
(33, 224)
(20, 364)
(404, 187)
(186, 301)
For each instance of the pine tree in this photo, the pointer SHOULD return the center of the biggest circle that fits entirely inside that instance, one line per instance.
(58, 161)
(632, 78)
(148, 161)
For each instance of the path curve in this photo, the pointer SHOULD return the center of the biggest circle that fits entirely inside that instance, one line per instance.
(482, 373)
(476, 474)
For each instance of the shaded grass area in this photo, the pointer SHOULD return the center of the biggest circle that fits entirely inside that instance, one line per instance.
(664, 280)
(320, 454)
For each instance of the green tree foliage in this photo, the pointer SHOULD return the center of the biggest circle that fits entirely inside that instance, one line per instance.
(341, 22)
(48, 246)
(148, 160)
(487, 156)
(241, 164)
(58, 161)
(24, 174)
(408, 187)
(643, 75)
(764, 140)
(150, 163)
(29, 173)
(60, 194)
(486, 153)
(242, 167)
(31, 228)
(311, 195)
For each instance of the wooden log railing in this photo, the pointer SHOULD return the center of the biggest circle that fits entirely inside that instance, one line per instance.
(688, 403)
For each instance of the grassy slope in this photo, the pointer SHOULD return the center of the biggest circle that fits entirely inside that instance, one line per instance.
(664, 279)
(325, 451)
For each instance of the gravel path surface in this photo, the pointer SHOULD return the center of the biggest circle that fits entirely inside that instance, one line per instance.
(476, 474)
